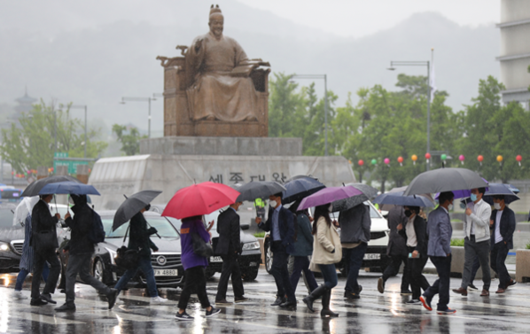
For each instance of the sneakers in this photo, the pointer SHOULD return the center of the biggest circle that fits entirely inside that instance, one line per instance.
(213, 311)
(380, 285)
(184, 317)
(472, 287)
(426, 303)
(414, 302)
(18, 295)
(158, 300)
(448, 311)
(406, 292)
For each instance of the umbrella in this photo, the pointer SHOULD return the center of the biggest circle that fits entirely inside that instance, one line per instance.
(259, 189)
(461, 193)
(328, 195)
(499, 189)
(387, 207)
(200, 199)
(445, 179)
(68, 187)
(397, 198)
(132, 205)
(301, 187)
(23, 209)
(350, 202)
(35, 187)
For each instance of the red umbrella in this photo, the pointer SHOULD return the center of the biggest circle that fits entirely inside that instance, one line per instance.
(200, 199)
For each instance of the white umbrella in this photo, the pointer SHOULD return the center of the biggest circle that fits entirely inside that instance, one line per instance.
(24, 209)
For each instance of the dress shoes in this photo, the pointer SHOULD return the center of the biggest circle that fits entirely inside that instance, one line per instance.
(501, 290)
(485, 293)
(289, 304)
(111, 297)
(66, 307)
(512, 282)
(48, 297)
(460, 291)
(278, 301)
(38, 302)
(240, 299)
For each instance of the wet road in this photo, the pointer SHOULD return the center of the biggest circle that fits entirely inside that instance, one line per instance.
(373, 313)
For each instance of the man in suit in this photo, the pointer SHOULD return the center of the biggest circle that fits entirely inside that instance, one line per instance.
(229, 247)
(503, 222)
(440, 230)
(42, 221)
(280, 223)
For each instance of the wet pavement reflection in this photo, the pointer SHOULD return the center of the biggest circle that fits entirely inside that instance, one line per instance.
(373, 313)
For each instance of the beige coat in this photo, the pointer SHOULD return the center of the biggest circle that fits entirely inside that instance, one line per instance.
(327, 240)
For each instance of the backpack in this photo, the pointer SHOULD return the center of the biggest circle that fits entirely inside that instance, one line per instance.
(97, 232)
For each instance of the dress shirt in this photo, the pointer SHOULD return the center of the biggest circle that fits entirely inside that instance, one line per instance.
(498, 236)
(412, 241)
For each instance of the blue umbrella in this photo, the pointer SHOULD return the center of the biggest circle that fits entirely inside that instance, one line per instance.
(301, 187)
(68, 187)
(397, 198)
(499, 189)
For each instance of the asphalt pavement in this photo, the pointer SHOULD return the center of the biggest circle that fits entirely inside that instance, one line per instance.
(372, 313)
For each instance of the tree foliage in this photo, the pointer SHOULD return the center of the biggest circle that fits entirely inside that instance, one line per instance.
(129, 137)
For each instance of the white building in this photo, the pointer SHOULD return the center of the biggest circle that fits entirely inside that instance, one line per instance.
(515, 50)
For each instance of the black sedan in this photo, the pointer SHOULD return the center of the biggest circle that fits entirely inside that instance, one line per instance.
(11, 240)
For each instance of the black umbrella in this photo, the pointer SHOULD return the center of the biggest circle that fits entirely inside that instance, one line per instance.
(301, 187)
(36, 186)
(387, 207)
(367, 191)
(499, 189)
(397, 198)
(132, 206)
(445, 179)
(260, 189)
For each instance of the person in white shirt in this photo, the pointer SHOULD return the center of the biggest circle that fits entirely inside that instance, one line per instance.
(503, 223)
(477, 241)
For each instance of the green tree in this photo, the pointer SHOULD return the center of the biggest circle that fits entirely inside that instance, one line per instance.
(129, 137)
(31, 143)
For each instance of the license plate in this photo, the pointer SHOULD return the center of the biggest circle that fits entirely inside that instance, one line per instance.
(253, 264)
(215, 259)
(372, 256)
(166, 272)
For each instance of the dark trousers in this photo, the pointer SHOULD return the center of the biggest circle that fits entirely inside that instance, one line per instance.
(354, 257)
(280, 272)
(301, 263)
(472, 250)
(474, 269)
(195, 281)
(39, 259)
(498, 257)
(23, 273)
(393, 269)
(230, 268)
(80, 264)
(441, 285)
(418, 282)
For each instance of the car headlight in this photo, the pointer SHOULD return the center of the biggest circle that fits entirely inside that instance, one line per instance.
(4, 247)
(112, 255)
(251, 245)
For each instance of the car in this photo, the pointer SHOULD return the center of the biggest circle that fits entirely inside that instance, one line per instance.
(375, 257)
(11, 240)
(167, 265)
(10, 195)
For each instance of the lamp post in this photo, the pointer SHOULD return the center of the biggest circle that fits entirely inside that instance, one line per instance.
(420, 63)
(142, 99)
(82, 107)
(319, 76)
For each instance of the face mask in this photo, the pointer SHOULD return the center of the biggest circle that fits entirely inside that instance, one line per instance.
(273, 204)
(330, 209)
(497, 206)
(462, 205)
(450, 207)
(408, 213)
(473, 197)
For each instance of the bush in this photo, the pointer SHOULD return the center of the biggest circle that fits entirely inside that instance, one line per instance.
(259, 234)
(527, 246)
(457, 242)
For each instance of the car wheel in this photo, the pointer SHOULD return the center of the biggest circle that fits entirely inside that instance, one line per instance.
(99, 270)
(250, 275)
(268, 257)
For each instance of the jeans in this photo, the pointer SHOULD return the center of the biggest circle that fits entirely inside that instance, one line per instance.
(144, 264)
(196, 281)
(441, 285)
(280, 272)
(230, 268)
(417, 280)
(472, 250)
(23, 273)
(39, 260)
(354, 260)
(301, 263)
(393, 269)
(498, 257)
(329, 272)
(80, 264)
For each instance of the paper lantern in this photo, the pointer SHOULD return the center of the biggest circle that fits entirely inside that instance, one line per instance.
(387, 161)
(360, 162)
(414, 157)
(480, 159)
(443, 157)
(374, 162)
(499, 158)
(519, 159)
(462, 158)
(400, 160)
(427, 156)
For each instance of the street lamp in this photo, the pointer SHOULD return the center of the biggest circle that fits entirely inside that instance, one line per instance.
(82, 107)
(319, 76)
(142, 99)
(427, 63)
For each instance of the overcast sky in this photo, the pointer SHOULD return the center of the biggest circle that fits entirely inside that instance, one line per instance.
(349, 17)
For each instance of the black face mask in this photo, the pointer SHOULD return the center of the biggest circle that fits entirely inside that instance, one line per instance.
(408, 213)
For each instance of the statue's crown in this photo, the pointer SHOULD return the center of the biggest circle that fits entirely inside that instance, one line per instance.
(215, 10)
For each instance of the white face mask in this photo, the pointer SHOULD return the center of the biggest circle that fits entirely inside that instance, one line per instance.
(330, 209)
(497, 206)
(273, 204)
(450, 207)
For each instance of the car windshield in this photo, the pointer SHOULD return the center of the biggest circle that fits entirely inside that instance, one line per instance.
(374, 213)
(6, 218)
(164, 228)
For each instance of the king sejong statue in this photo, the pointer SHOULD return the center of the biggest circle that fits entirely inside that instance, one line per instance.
(219, 70)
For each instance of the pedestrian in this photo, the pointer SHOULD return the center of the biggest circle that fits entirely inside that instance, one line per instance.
(280, 224)
(140, 240)
(355, 233)
(44, 242)
(440, 231)
(477, 241)
(229, 248)
(195, 279)
(81, 251)
(327, 251)
(396, 250)
(503, 223)
(303, 249)
(23, 215)
(415, 233)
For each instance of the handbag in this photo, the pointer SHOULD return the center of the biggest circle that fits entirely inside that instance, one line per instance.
(200, 247)
(47, 239)
(126, 258)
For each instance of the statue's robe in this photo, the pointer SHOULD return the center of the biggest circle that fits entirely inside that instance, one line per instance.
(215, 92)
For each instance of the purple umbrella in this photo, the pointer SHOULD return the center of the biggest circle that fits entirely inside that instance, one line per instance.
(328, 195)
(462, 193)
